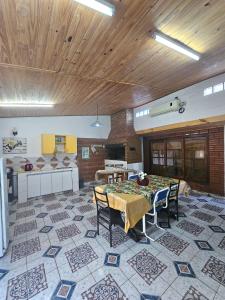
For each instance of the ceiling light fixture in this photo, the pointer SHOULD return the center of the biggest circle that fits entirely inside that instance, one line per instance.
(99, 5)
(176, 45)
(97, 122)
(27, 104)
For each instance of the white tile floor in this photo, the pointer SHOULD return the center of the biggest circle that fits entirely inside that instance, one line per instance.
(54, 256)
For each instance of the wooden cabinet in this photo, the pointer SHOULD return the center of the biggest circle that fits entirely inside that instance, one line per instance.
(52, 144)
(48, 143)
(46, 184)
(34, 186)
(71, 144)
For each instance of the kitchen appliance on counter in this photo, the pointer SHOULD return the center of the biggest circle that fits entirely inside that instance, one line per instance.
(28, 167)
(4, 210)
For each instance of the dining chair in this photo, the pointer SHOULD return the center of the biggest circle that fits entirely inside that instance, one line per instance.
(133, 177)
(110, 178)
(173, 197)
(119, 177)
(160, 202)
(104, 214)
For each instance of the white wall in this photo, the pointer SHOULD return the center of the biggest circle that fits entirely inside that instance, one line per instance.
(197, 106)
(32, 128)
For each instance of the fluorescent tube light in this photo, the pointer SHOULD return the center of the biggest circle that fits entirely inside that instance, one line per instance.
(176, 45)
(99, 5)
(26, 105)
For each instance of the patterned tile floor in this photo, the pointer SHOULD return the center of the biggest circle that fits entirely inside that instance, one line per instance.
(54, 253)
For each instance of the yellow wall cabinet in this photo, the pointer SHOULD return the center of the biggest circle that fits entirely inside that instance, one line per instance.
(53, 144)
(48, 143)
(71, 144)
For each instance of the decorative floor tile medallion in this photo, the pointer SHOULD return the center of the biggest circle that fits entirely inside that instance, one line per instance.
(192, 206)
(173, 243)
(28, 284)
(118, 236)
(64, 290)
(190, 227)
(107, 288)
(217, 229)
(222, 244)
(77, 200)
(186, 200)
(46, 229)
(69, 207)
(50, 197)
(59, 217)
(39, 205)
(24, 249)
(67, 232)
(52, 251)
(25, 227)
(93, 221)
(41, 215)
(53, 206)
(25, 214)
(3, 272)
(149, 297)
(112, 260)
(212, 207)
(25, 204)
(62, 199)
(91, 234)
(203, 245)
(85, 208)
(144, 240)
(184, 269)
(215, 268)
(194, 294)
(80, 256)
(147, 266)
(203, 216)
(202, 200)
(78, 218)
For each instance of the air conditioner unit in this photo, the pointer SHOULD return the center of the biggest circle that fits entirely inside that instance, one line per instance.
(164, 108)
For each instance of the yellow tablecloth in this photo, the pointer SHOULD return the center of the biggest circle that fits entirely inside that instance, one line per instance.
(134, 206)
(128, 197)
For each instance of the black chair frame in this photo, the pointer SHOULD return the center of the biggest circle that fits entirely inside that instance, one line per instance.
(104, 213)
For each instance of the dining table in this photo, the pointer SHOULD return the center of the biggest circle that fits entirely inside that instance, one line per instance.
(134, 200)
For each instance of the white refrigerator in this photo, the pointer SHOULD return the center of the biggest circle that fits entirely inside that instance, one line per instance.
(4, 212)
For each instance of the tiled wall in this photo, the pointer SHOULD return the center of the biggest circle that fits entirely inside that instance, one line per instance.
(42, 162)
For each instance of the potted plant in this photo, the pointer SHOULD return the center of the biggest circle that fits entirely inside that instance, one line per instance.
(142, 179)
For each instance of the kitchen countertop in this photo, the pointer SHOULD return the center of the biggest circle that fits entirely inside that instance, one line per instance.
(46, 171)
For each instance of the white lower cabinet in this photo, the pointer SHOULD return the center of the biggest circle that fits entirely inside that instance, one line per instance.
(40, 183)
(56, 182)
(33, 185)
(46, 184)
(67, 183)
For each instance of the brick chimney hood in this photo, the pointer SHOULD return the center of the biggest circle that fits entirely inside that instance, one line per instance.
(122, 127)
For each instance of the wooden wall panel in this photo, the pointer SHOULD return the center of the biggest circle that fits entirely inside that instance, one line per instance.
(61, 51)
(87, 168)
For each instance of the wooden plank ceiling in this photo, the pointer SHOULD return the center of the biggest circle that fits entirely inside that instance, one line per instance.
(58, 50)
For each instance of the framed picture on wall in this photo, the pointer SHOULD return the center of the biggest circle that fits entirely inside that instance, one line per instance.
(85, 153)
(14, 145)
